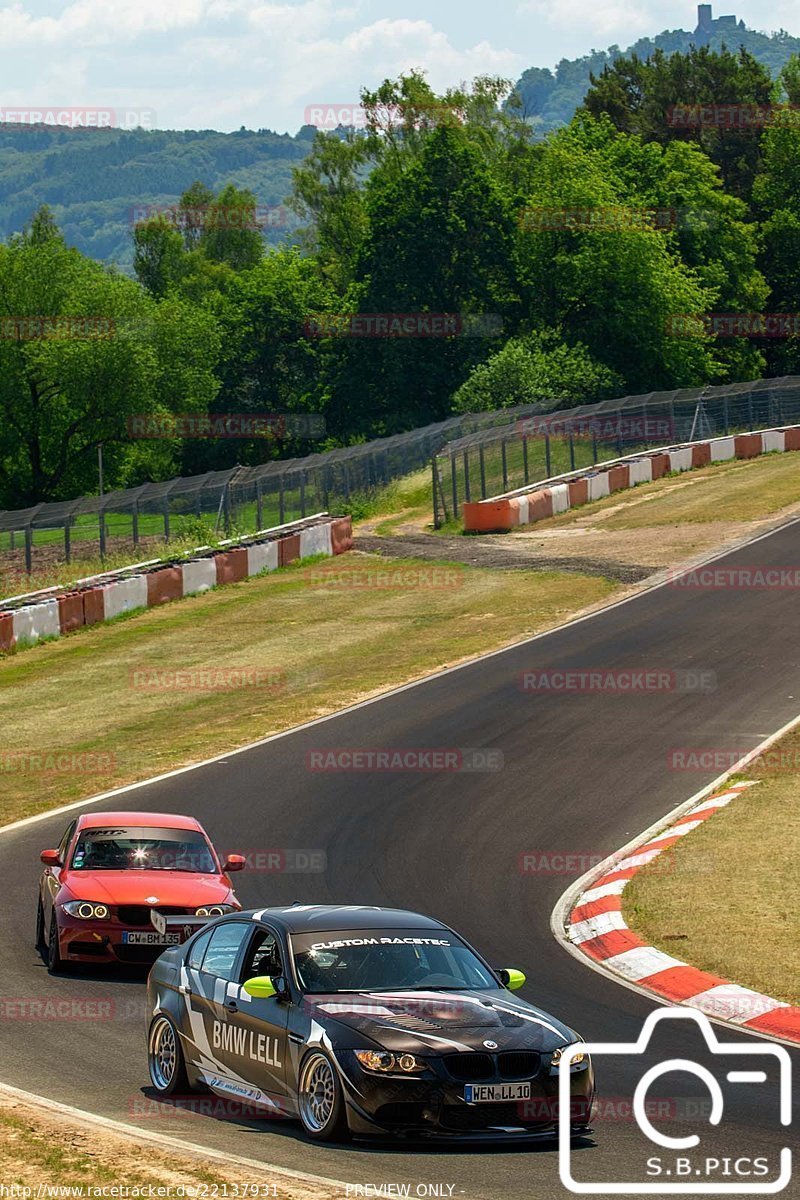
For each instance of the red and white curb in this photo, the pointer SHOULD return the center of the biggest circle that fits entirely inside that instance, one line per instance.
(596, 927)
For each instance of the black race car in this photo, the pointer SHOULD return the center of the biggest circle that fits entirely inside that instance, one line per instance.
(358, 1020)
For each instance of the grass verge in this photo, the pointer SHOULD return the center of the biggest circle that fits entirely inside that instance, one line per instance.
(125, 701)
(725, 898)
(39, 1146)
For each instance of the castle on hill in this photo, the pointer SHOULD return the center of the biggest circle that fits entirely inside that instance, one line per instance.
(707, 25)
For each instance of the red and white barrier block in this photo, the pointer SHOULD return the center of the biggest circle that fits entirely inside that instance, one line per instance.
(540, 500)
(597, 928)
(107, 597)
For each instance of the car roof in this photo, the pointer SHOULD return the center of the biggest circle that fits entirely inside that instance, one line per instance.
(136, 820)
(311, 918)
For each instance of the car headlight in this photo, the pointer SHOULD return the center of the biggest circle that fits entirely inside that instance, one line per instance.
(578, 1063)
(215, 910)
(86, 910)
(386, 1063)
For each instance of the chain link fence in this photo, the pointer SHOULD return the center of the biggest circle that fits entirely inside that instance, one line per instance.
(491, 462)
(240, 500)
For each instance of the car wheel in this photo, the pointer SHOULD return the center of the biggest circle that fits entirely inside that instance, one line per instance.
(320, 1100)
(165, 1059)
(55, 963)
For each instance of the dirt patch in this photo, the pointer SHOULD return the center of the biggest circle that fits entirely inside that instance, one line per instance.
(499, 553)
(39, 1145)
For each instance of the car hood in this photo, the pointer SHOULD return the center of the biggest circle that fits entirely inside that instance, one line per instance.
(173, 888)
(442, 1022)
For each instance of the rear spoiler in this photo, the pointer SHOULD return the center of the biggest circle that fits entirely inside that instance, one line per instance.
(185, 925)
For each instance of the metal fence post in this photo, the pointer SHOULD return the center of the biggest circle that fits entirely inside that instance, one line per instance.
(525, 457)
(504, 456)
(483, 471)
(434, 485)
(302, 494)
(619, 433)
(29, 548)
(259, 508)
(166, 516)
(67, 546)
(454, 483)
(571, 451)
(548, 466)
(725, 415)
(281, 502)
(135, 522)
(594, 445)
(467, 496)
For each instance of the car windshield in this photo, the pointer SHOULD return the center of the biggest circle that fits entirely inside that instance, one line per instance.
(143, 850)
(393, 960)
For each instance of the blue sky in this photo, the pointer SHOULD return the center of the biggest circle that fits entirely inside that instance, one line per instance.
(225, 63)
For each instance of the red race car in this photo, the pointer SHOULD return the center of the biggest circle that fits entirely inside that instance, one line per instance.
(111, 870)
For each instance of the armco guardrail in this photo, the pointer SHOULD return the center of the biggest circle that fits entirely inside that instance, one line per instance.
(562, 492)
(90, 601)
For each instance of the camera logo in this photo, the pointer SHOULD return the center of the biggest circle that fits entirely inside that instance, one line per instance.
(675, 1170)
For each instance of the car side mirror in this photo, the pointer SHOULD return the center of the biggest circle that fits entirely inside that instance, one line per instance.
(51, 858)
(511, 979)
(261, 987)
(234, 862)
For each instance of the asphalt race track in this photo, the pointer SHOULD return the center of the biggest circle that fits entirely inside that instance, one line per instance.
(582, 774)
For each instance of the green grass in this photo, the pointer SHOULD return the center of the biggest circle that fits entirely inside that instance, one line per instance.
(77, 696)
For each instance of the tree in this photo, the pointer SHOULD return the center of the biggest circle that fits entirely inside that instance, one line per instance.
(661, 100)
(231, 233)
(82, 351)
(158, 257)
(440, 241)
(328, 192)
(537, 370)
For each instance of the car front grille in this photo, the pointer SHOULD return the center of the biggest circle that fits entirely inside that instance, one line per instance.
(471, 1067)
(474, 1067)
(518, 1064)
(139, 914)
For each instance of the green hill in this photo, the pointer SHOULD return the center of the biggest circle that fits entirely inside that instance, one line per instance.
(549, 98)
(94, 179)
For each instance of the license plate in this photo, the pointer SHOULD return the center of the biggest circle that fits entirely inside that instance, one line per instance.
(150, 939)
(496, 1093)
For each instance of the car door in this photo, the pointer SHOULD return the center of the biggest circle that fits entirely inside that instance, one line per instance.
(51, 878)
(265, 1021)
(211, 987)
